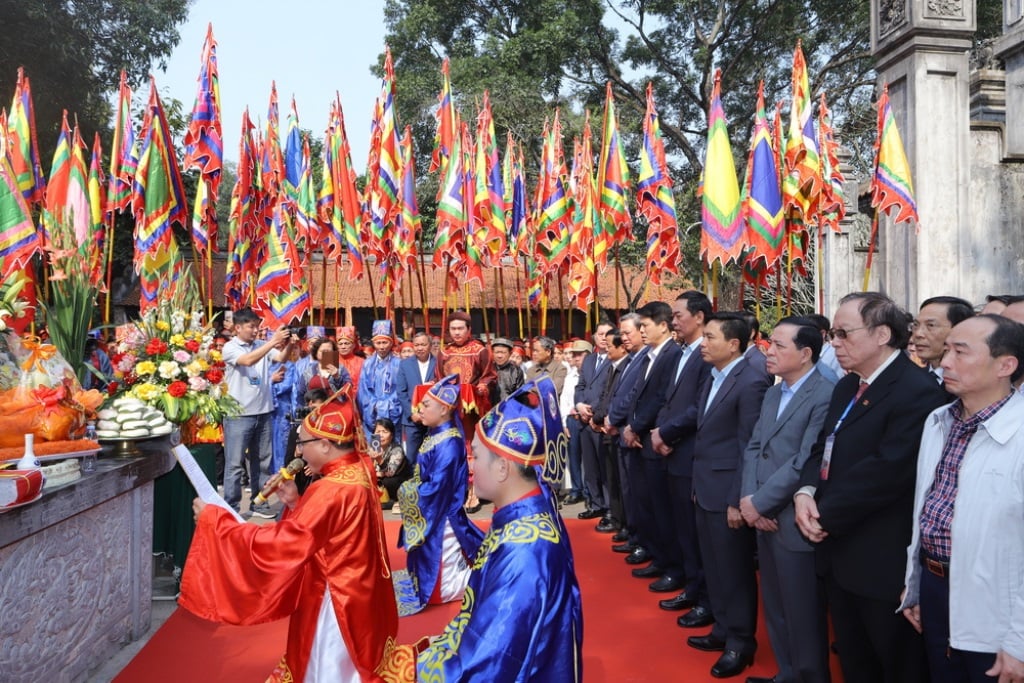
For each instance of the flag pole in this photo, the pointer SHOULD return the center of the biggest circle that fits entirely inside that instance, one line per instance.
(110, 265)
(323, 287)
(209, 272)
(871, 249)
(499, 281)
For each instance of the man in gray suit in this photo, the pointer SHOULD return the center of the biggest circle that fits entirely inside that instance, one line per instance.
(791, 418)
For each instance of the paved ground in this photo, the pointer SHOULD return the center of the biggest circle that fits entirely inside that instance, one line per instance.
(165, 588)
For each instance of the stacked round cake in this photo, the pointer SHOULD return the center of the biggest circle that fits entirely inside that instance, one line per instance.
(130, 418)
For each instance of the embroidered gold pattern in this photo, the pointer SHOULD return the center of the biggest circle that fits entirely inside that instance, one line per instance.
(538, 527)
(413, 521)
(447, 645)
(281, 673)
(350, 474)
(398, 663)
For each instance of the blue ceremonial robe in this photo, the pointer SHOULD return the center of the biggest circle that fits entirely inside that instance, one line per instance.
(434, 495)
(377, 395)
(284, 409)
(521, 618)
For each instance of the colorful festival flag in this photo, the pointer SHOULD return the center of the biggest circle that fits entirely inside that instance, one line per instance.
(123, 152)
(763, 198)
(722, 236)
(613, 183)
(553, 205)
(892, 190)
(23, 146)
(204, 148)
(18, 238)
(655, 201)
(831, 202)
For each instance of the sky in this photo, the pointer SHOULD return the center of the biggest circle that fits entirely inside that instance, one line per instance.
(310, 48)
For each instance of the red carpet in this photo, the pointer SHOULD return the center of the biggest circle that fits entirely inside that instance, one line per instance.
(625, 636)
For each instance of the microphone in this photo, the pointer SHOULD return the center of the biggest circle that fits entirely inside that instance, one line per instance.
(284, 474)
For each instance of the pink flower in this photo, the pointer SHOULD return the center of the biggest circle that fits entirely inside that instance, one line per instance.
(198, 384)
(182, 356)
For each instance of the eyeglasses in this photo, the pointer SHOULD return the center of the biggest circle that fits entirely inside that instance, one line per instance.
(299, 442)
(840, 333)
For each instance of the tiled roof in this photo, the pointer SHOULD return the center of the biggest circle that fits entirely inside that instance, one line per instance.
(345, 293)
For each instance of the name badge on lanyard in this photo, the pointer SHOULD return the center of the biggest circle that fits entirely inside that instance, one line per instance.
(826, 457)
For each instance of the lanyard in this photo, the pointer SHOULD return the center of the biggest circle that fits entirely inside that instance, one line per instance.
(849, 406)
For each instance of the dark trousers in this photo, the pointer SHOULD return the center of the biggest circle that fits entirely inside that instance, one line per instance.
(413, 436)
(592, 451)
(876, 644)
(661, 542)
(629, 458)
(575, 457)
(644, 508)
(684, 532)
(947, 664)
(728, 556)
(616, 506)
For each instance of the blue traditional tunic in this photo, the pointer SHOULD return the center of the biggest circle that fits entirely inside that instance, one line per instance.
(284, 409)
(378, 392)
(521, 617)
(431, 504)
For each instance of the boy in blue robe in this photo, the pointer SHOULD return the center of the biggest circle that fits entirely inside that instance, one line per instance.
(521, 618)
(438, 537)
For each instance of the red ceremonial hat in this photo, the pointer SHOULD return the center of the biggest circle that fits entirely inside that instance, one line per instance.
(334, 420)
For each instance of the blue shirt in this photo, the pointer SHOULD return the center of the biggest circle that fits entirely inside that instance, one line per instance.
(717, 378)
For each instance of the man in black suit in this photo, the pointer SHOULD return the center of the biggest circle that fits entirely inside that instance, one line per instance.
(419, 368)
(728, 408)
(791, 417)
(628, 458)
(857, 489)
(656, 371)
(618, 361)
(593, 372)
(930, 328)
(674, 438)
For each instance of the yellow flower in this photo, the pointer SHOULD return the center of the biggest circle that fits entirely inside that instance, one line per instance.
(146, 367)
(163, 325)
(178, 340)
(194, 368)
(215, 355)
(203, 365)
(146, 391)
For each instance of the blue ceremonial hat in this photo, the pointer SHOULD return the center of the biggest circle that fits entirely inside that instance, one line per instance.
(520, 427)
(381, 328)
(446, 390)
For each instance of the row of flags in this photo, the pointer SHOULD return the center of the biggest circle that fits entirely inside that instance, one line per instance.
(578, 212)
(792, 183)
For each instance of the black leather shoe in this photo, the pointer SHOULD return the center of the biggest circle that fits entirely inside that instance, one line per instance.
(760, 679)
(696, 618)
(731, 663)
(651, 571)
(621, 536)
(638, 556)
(665, 584)
(592, 513)
(573, 499)
(624, 548)
(607, 525)
(708, 643)
(681, 601)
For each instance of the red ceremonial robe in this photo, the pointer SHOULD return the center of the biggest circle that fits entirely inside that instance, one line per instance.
(330, 547)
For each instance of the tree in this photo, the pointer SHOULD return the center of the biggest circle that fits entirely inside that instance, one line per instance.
(73, 52)
(534, 56)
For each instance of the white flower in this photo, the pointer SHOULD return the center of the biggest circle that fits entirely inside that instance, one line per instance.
(169, 369)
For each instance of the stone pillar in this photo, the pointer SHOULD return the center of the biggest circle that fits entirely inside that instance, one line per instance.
(1010, 49)
(842, 268)
(921, 47)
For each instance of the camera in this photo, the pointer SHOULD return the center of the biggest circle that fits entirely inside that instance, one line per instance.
(301, 413)
(299, 332)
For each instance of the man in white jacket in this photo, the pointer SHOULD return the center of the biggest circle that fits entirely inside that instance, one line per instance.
(964, 591)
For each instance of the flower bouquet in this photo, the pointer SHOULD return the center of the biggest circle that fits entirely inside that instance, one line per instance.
(166, 360)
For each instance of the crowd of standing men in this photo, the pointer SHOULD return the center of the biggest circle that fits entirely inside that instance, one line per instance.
(711, 454)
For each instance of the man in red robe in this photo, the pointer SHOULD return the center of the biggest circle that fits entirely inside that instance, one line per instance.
(347, 339)
(324, 565)
(471, 360)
